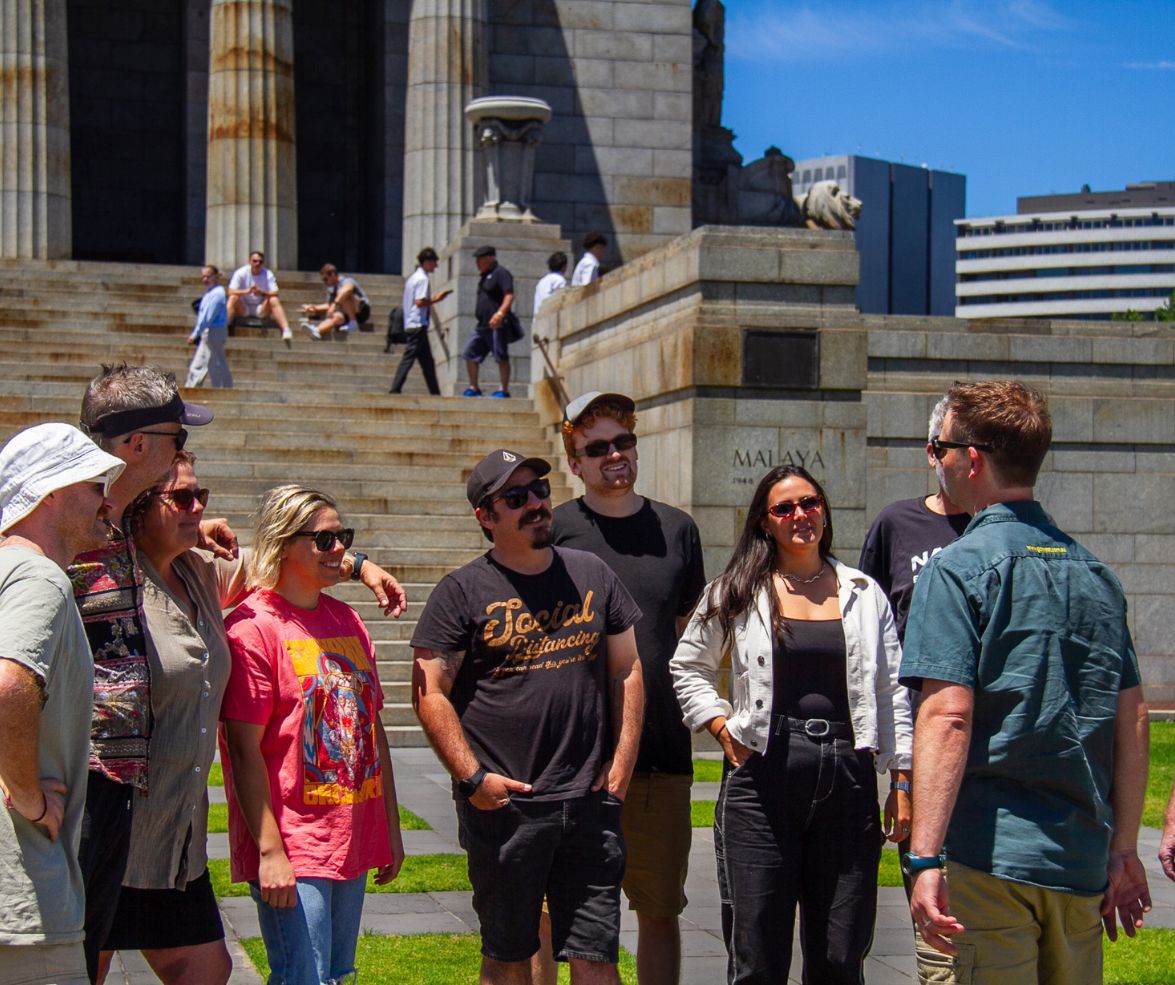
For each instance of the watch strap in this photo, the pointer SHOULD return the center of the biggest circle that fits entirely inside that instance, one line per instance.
(900, 785)
(913, 864)
(360, 557)
(468, 787)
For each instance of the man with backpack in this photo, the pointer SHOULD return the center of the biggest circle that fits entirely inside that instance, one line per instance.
(418, 302)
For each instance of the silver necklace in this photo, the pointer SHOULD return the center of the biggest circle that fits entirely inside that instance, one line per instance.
(801, 581)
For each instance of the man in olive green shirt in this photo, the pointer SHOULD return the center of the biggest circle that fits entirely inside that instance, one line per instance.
(1030, 751)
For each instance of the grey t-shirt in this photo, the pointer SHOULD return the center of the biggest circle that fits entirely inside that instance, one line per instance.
(41, 895)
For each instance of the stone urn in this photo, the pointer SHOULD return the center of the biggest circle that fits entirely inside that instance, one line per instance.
(509, 129)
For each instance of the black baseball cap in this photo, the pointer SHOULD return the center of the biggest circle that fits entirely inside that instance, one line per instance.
(494, 471)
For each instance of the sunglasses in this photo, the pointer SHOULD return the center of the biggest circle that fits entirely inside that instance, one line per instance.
(939, 449)
(180, 436)
(602, 447)
(785, 509)
(182, 499)
(517, 497)
(324, 540)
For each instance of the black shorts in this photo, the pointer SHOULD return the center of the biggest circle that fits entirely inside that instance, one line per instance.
(570, 851)
(147, 919)
(483, 341)
(363, 313)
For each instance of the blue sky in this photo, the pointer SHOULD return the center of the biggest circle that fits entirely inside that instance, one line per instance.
(1024, 97)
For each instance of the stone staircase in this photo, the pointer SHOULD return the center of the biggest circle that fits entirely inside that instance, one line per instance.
(317, 413)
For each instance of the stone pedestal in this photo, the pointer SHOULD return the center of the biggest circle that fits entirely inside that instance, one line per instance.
(523, 249)
(252, 191)
(35, 220)
(509, 129)
(446, 69)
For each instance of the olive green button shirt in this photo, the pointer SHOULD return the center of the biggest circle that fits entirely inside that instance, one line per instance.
(190, 665)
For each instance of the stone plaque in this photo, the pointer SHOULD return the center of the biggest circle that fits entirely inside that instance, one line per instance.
(781, 359)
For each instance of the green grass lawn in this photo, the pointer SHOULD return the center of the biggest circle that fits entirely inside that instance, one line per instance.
(1147, 959)
(420, 874)
(707, 770)
(423, 959)
(1162, 768)
(215, 775)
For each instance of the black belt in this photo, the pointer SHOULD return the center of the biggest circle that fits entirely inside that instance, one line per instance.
(814, 728)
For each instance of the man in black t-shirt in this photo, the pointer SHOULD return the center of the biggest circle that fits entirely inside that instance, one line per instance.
(657, 553)
(495, 297)
(905, 535)
(528, 685)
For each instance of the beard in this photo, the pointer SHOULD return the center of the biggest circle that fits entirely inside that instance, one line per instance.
(540, 534)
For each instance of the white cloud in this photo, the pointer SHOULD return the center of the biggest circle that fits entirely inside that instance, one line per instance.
(771, 29)
(1150, 66)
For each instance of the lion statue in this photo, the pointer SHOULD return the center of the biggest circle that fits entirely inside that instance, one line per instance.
(827, 206)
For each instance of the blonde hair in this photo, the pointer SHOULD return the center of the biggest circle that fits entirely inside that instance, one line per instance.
(282, 513)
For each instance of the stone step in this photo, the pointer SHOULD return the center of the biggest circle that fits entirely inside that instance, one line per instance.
(406, 737)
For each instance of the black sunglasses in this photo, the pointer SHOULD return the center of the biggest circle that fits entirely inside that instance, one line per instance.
(517, 496)
(182, 499)
(939, 448)
(180, 436)
(324, 540)
(602, 447)
(806, 503)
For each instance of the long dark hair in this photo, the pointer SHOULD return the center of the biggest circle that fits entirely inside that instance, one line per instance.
(750, 567)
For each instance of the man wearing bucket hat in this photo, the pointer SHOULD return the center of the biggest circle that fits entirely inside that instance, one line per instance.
(528, 685)
(657, 553)
(54, 502)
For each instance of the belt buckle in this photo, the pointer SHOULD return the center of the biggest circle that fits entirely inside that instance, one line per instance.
(817, 727)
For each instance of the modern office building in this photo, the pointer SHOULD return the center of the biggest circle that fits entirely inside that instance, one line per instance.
(1086, 255)
(905, 235)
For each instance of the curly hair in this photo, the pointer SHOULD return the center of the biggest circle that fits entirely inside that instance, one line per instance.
(602, 408)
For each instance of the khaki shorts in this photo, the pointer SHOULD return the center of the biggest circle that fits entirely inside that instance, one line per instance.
(656, 824)
(38, 964)
(1016, 934)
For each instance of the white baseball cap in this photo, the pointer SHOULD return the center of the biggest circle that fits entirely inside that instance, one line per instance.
(44, 458)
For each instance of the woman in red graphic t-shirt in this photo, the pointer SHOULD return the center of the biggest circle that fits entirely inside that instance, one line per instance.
(312, 799)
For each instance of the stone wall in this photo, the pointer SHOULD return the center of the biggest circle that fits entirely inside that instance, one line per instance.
(671, 330)
(617, 74)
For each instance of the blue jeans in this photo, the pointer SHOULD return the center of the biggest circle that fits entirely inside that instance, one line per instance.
(312, 943)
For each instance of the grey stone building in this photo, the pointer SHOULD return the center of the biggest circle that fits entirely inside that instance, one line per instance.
(166, 131)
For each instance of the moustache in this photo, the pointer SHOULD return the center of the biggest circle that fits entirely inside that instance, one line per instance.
(531, 516)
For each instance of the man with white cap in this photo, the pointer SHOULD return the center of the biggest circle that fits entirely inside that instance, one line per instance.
(528, 686)
(656, 551)
(54, 503)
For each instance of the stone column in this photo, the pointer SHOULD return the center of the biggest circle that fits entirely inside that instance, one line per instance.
(35, 219)
(446, 70)
(252, 191)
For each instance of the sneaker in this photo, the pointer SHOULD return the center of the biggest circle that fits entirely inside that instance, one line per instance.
(501, 393)
(351, 326)
(288, 337)
(472, 392)
(312, 330)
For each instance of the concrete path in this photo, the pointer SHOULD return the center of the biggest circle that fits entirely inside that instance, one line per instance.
(424, 788)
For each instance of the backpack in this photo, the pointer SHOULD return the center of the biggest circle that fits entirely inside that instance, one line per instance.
(396, 332)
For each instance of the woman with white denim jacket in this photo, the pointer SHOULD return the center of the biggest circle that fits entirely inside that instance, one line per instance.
(816, 707)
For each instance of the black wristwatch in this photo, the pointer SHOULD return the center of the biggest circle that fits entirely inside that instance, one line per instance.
(360, 557)
(468, 787)
(913, 864)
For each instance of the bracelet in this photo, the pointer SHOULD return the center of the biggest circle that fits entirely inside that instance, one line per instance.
(900, 785)
(718, 734)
